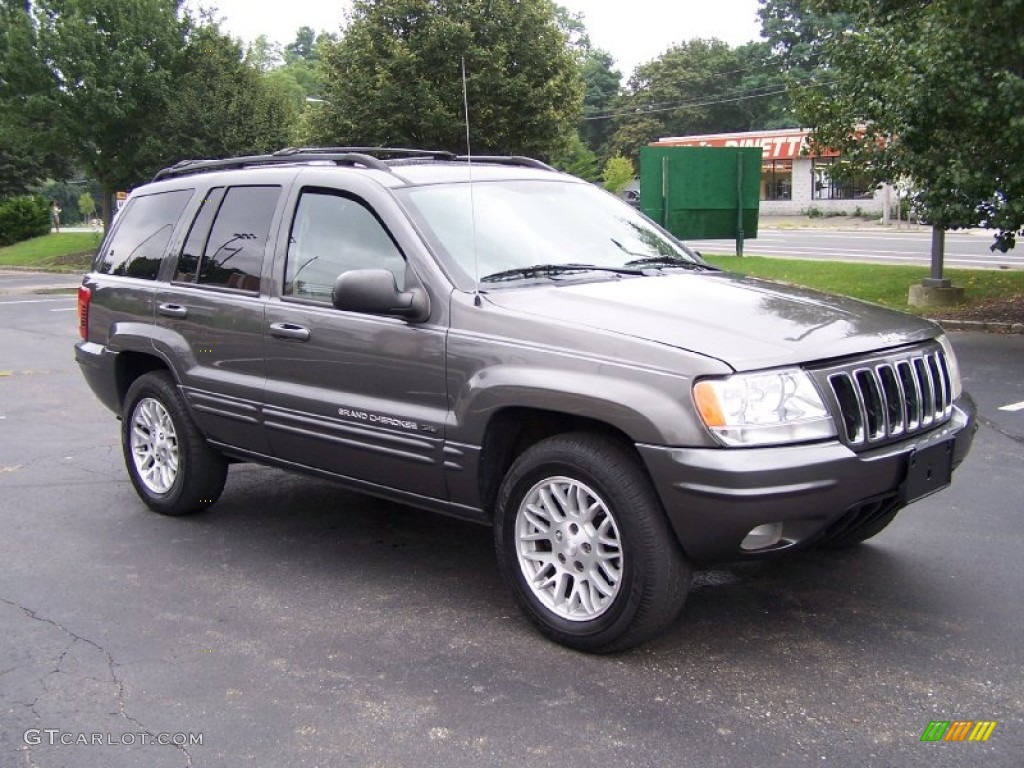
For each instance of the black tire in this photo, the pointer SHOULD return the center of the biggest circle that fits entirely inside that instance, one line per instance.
(197, 479)
(652, 573)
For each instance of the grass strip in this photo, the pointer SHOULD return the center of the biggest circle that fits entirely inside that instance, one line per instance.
(66, 252)
(883, 284)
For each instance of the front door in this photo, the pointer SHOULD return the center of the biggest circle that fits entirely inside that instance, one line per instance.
(356, 395)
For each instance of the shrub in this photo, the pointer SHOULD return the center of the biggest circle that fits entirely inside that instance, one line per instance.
(618, 172)
(814, 213)
(22, 218)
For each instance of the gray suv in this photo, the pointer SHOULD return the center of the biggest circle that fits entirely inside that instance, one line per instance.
(501, 342)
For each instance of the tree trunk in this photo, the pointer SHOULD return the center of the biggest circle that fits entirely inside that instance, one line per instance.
(106, 209)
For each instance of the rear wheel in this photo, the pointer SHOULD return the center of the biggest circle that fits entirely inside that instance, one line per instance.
(173, 468)
(584, 544)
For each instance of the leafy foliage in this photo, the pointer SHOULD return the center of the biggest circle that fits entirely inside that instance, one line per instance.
(601, 82)
(66, 196)
(617, 173)
(123, 87)
(933, 92)
(23, 217)
(579, 161)
(795, 32)
(86, 206)
(23, 158)
(298, 79)
(395, 77)
(302, 47)
(222, 105)
(700, 86)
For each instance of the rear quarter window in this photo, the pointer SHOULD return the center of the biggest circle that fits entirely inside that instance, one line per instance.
(138, 244)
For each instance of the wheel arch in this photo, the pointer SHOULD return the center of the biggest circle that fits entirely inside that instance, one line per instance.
(130, 365)
(512, 430)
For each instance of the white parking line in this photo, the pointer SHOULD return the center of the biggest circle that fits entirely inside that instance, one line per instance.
(65, 309)
(37, 301)
(1013, 407)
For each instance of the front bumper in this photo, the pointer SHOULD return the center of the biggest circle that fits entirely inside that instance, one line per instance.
(715, 496)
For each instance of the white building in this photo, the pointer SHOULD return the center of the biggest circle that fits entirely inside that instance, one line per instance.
(793, 181)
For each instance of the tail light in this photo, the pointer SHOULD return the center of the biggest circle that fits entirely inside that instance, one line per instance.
(84, 297)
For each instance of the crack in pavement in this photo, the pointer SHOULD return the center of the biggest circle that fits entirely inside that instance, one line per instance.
(1005, 433)
(118, 683)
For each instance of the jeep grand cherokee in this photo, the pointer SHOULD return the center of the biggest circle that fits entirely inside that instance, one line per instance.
(504, 343)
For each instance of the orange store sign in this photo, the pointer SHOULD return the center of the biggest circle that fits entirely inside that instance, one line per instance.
(777, 145)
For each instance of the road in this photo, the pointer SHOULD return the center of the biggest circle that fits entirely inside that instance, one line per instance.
(965, 251)
(296, 624)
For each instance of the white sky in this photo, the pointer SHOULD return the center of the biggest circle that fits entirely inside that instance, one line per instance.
(633, 31)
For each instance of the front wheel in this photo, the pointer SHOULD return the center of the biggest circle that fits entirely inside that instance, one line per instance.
(584, 544)
(171, 465)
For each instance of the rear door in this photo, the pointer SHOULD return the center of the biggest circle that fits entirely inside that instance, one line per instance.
(210, 313)
(357, 395)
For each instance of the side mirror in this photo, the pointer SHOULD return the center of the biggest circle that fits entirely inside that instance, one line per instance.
(375, 292)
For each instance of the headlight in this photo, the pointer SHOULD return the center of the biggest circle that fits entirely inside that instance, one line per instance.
(953, 365)
(763, 408)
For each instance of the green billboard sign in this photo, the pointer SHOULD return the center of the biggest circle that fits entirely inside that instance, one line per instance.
(702, 193)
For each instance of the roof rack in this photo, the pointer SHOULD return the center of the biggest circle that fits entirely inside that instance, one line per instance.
(189, 167)
(527, 162)
(352, 156)
(435, 154)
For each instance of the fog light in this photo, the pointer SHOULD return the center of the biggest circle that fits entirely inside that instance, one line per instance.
(767, 535)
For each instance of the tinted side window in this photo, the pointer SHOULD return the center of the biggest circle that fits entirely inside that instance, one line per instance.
(137, 246)
(233, 256)
(192, 252)
(332, 234)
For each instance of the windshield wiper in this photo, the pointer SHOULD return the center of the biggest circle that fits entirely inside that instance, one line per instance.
(663, 261)
(547, 270)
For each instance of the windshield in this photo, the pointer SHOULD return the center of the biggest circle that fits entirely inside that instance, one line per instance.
(534, 227)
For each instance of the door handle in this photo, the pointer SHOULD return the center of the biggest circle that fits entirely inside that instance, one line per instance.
(289, 331)
(172, 310)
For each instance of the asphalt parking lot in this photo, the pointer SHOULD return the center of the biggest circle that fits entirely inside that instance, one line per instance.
(297, 624)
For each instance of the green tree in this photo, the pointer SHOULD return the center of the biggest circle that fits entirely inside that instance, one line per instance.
(763, 99)
(121, 88)
(700, 86)
(578, 161)
(298, 79)
(302, 47)
(932, 92)
(601, 82)
(86, 206)
(264, 54)
(108, 75)
(617, 173)
(394, 78)
(795, 31)
(222, 105)
(24, 158)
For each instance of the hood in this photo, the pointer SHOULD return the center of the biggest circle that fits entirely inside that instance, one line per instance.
(744, 322)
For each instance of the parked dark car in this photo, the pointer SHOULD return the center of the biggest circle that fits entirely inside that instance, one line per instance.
(501, 342)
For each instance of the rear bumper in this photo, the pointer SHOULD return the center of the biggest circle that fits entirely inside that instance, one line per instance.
(99, 367)
(714, 497)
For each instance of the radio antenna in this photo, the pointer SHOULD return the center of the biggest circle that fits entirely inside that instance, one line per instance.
(472, 201)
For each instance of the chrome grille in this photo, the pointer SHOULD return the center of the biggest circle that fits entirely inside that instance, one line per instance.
(893, 398)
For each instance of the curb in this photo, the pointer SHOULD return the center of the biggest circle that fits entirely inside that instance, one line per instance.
(979, 325)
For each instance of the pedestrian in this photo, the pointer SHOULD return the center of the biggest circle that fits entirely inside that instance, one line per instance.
(55, 215)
